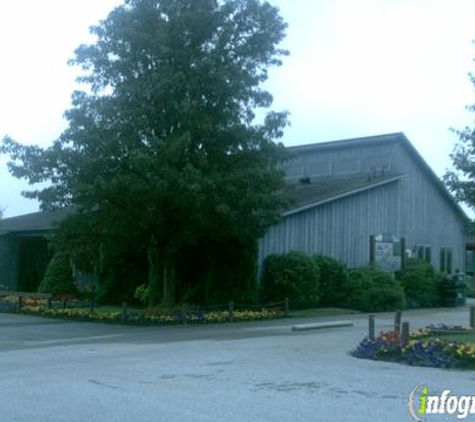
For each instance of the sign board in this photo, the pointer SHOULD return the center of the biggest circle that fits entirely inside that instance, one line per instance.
(388, 252)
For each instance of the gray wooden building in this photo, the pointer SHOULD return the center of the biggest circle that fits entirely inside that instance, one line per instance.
(347, 191)
(352, 189)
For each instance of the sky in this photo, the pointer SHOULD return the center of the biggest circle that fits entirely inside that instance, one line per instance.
(356, 68)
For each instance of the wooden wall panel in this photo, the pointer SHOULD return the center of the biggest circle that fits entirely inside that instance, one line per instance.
(412, 207)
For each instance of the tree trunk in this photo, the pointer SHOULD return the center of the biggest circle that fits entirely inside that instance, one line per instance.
(169, 283)
(210, 280)
(154, 288)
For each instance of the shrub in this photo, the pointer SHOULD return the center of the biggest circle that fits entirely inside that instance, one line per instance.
(141, 294)
(293, 275)
(231, 271)
(370, 289)
(87, 285)
(470, 288)
(58, 279)
(422, 284)
(333, 280)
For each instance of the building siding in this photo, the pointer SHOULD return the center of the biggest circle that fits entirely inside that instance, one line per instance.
(340, 228)
(412, 207)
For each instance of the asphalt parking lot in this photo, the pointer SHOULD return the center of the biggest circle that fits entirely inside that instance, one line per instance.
(58, 371)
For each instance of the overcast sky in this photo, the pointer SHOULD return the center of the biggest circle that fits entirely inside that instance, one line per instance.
(357, 68)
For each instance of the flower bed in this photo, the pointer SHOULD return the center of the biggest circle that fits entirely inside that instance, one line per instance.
(441, 330)
(153, 316)
(79, 310)
(423, 349)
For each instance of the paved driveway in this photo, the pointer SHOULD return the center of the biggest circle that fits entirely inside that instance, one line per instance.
(60, 371)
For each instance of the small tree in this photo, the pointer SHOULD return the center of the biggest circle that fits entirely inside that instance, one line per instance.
(58, 278)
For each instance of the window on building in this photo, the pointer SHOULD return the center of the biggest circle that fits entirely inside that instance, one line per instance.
(446, 260)
(423, 252)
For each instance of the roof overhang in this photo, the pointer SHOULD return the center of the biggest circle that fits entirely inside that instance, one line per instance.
(342, 195)
(397, 137)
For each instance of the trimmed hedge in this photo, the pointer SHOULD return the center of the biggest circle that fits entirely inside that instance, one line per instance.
(333, 281)
(293, 275)
(370, 289)
(309, 281)
(422, 284)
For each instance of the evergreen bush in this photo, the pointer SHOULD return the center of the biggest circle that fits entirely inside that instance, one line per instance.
(422, 284)
(58, 278)
(370, 289)
(293, 275)
(333, 280)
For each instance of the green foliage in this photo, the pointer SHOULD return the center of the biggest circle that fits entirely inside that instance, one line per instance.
(422, 284)
(87, 286)
(460, 180)
(162, 149)
(231, 272)
(114, 255)
(141, 294)
(373, 290)
(333, 281)
(58, 279)
(154, 290)
(293, 275)
(470, 288)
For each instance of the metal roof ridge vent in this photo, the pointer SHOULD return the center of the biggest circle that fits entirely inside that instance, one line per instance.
(377, 172)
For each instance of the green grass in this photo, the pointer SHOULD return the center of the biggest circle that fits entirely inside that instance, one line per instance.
(313, 312)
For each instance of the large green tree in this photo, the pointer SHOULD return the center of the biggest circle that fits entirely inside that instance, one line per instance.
(163, 148)
(461, 178)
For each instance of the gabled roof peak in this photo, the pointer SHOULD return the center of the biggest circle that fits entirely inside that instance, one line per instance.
(397, 137)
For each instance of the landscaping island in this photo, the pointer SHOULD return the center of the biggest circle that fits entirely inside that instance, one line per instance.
(435, 346)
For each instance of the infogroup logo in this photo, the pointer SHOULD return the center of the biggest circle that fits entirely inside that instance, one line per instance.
(422, 403)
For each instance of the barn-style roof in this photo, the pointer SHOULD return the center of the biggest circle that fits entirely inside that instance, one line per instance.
(397, 137)
(329, 189)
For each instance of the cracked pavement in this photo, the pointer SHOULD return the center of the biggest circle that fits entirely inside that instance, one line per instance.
(57, 371)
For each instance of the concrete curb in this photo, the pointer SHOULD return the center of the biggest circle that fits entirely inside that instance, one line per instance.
(322, 325)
